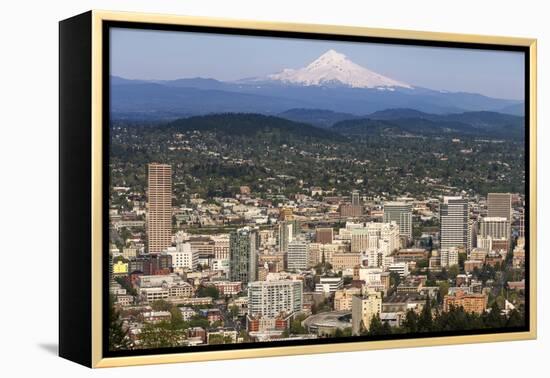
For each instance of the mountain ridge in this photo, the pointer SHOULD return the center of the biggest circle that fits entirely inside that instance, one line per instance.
(331, 82)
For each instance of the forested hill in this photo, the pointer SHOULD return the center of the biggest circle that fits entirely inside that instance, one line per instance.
(249, 125)
(216, 154)
(408, 121)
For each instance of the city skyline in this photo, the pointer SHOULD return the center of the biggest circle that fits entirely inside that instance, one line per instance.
(337, 199)
(300, 279)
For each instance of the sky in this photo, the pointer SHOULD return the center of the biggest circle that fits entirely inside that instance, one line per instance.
(166, 55)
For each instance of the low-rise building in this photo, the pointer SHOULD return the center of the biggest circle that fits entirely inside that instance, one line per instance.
(346, 260)
(187, 313)
(410, 254)
(400, 268)
(227, 287)
(476, 303)
(471, 265)
(329, 285)
(343, 298)
(156, 316)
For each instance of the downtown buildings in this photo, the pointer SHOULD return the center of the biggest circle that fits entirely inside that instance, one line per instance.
(262, 268)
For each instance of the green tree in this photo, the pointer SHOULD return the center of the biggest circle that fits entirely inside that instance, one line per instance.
(161, 305)
(199, 321)
(425, 320)
(216, 339)
(234, 311)
(410, 324)
(443, 291)
(118, 335)
(296, 327)
(395, 280)
(494, 319)
(176, 319)
(208, 291)
(376, 327)
(515, 319)
(125, 283)
(159, 335)
(454, 271)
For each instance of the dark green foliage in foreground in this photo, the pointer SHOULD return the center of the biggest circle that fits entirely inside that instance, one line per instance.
(160, 335)
(118, 336)
(456, 319)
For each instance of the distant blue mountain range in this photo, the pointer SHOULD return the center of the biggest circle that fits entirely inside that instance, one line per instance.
(172, 99)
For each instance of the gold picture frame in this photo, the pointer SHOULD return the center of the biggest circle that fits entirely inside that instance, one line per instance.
(93, 25)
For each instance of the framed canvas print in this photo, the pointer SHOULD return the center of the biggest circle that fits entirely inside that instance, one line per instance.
(235, 189)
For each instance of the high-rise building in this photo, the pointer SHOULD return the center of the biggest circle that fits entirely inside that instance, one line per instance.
(496, 227)
(243, 255)
(297, 255)
(355, 200)
(273, 298)
(353, 209)
(375, 235)
(221, 246)
(500, 205)
(521, 229)
(324, 235)
(159, 211)
(400, 213)
(363, 309)
(472, 234)
(454, 223)
(286, 232)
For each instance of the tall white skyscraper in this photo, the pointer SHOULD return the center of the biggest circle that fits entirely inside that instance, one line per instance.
(453, 215)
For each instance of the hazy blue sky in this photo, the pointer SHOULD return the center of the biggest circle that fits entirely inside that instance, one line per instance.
(141, 54)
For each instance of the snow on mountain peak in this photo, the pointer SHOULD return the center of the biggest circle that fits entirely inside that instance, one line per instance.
(335, 68)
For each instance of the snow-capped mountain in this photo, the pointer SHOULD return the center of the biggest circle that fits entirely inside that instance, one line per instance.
(334, 68)
(332, 83)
